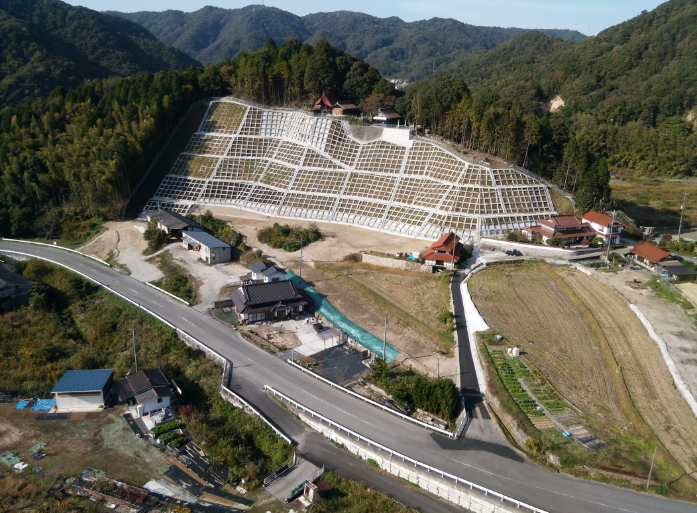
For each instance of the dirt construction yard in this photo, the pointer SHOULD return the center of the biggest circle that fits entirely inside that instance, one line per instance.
(102, 440)
(591, 347)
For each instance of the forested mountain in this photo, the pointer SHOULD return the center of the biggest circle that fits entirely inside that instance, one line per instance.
(74, 156)
(398, 49)
(47, 43)
(629, 97)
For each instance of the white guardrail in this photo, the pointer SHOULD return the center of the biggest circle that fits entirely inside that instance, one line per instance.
(404, 457)
(367, 400)
(57, 247)
(168, 293)
(257, 413)
(205, 348)
(199, 345)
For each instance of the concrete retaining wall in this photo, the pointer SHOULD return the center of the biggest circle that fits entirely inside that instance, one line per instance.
(537, 250)
(459, 494)
(407, 265)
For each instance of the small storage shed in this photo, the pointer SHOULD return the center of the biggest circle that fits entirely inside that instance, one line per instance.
(213, 251)
(173, 223)
(83, 390)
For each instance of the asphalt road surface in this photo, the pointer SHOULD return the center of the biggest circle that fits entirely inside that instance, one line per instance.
(482, 457)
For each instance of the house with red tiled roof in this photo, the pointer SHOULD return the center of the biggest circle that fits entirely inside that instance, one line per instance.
(662, 262)
(650, 256)
(604, 226)
(329, 103)
(579, 230)
(444, 253)
(562, 227)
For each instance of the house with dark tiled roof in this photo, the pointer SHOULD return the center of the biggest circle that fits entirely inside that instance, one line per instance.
(329, 103)
(444, 253)
(14, 289)
(173, 223)
(387, 116)
(83, 390)
(273, 301)
(148, 388)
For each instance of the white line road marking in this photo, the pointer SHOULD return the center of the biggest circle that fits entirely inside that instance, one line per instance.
(534, 486)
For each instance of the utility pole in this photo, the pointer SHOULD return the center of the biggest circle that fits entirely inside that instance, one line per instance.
(648, 481)
(301, 257)
(199, 216)
(609, 242)
(135, 355)
(292, 350)
(682, 211)
(438, 366)
(384, 340)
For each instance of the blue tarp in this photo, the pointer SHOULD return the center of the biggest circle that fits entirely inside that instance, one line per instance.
(44, 405)
(357, 333)
(21, 405)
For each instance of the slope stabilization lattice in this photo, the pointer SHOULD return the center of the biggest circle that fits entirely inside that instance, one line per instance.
(289, 163)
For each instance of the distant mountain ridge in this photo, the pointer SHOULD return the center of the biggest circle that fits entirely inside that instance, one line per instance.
(47, 43)
(397, 48)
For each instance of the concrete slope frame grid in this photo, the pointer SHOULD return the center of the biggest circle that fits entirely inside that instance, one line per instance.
(289, 163)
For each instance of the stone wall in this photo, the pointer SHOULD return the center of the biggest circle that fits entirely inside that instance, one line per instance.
(457, 493)
(536, 250)
(407, 265)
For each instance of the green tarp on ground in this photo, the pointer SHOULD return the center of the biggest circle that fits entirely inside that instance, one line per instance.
(9, 458)
(327, 311)
(37, 447)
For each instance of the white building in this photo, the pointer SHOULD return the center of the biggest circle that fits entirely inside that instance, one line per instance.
(213, 251)
(603, 226)
(261, 272)
(148, 387)
(83, 390)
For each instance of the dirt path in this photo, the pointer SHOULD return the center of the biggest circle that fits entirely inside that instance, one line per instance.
(339, 240)
(648, 379)
(127, 245)
(677, 329)
(214, 280)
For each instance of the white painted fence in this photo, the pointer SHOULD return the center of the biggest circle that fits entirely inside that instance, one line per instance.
(168, 293)
(56, 246)
(374, 403)
(405, 458)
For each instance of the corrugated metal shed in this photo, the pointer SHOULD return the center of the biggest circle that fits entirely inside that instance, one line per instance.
(83, 381)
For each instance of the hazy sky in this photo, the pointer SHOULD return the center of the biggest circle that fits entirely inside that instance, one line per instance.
(587, 16)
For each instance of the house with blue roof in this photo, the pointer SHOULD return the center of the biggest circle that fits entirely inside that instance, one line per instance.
(83, 390)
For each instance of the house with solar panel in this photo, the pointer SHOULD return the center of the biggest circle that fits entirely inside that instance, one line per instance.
(83, 390)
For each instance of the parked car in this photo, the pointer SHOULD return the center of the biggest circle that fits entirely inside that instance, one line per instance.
(514, 252)
(678, 258)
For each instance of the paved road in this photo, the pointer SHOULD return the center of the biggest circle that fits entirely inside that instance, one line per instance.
(476, 458)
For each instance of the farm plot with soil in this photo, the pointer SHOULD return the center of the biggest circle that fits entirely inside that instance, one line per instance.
(594, 351)
(412, 300)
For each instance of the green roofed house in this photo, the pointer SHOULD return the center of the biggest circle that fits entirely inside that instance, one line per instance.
(83, 390)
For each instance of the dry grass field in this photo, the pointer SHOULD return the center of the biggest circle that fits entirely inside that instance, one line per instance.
(412, 300)
(656, 202)
(594, 351)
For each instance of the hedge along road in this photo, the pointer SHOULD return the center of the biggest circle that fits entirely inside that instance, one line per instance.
(492, 465)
